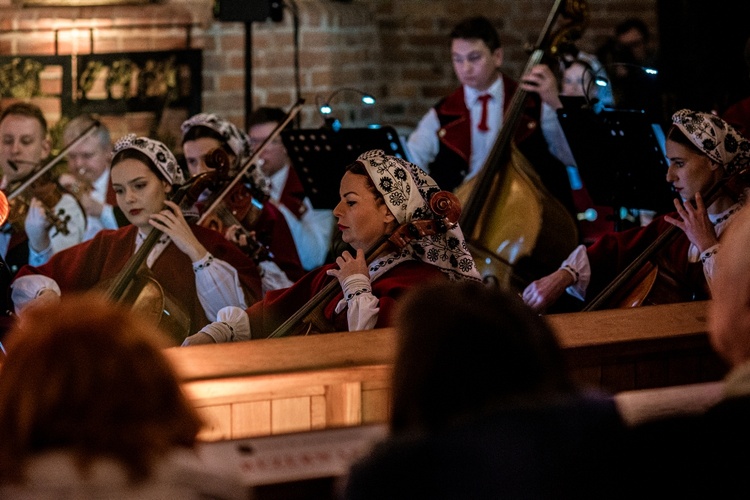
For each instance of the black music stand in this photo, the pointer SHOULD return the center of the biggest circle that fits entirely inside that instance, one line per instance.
(620, 158)
(319, 156)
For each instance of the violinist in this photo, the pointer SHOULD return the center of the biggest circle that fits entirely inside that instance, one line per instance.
(378, 194)
(31, 235)
(702, 150)
(196, 266)
(455, 137)
(249, 211)
(311, 227)
(88, 175)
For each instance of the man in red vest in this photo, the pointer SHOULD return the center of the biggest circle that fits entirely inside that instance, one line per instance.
(455, 137)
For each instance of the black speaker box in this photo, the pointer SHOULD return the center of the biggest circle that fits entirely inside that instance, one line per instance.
(242, 10)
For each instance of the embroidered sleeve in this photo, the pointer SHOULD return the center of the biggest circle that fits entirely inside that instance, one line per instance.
(361, 305)
(577, 264)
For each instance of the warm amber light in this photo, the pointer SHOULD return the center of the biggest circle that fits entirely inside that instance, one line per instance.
(80, 3)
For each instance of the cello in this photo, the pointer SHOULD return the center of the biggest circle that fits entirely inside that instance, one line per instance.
(632, 286)
(510, 220)
(135, 284)
(309, 318)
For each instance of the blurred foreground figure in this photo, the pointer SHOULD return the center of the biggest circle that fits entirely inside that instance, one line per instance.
(483, 406)
(91, 408)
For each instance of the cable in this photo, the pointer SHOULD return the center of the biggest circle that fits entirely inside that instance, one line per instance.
(292, 6)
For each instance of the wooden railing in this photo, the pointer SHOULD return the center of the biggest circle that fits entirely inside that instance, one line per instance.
(276, 386)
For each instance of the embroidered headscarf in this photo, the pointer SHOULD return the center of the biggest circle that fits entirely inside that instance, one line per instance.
(407, 190)
(237, 140)
(157, 152)
(715, 137)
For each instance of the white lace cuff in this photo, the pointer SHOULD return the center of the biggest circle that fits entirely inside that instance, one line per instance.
(231, 325)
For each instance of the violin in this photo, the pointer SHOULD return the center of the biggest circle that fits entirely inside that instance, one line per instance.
(224, 216)
(41, 185)
(310, 318)
(219, 215)
(49, 192)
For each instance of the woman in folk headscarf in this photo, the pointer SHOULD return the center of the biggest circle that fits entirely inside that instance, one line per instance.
(200, 269)
(379, 193)
(201, 134)
(702, 150)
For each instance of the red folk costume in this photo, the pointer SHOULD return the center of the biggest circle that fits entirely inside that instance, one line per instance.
(685, 272)
(278, 305)
(97, 261)
(270, 226)
(367, 300)
(225, 275)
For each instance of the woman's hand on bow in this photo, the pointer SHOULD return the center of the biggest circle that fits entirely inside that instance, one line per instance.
(543, 292)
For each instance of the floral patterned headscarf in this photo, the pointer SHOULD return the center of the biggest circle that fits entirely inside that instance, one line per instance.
(237, 140)
(715, 137)
(407, 190)
(158, 153)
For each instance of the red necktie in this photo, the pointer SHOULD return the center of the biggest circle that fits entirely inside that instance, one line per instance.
(483, 122)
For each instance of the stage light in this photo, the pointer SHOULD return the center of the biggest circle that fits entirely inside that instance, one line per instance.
(326, 109)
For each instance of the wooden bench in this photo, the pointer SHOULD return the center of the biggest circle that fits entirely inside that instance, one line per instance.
(275, 386)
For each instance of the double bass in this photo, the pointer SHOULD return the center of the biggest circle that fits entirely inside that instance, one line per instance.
(517, 231)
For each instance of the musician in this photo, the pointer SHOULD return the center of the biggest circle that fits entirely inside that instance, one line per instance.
(455, 137)
(702, 149)
(193, 264)
(378, 194)
(24, 146)
(312, 228)
(205, 132)
(88, 174)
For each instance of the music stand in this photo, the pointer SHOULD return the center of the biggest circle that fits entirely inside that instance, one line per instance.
(620, 158)
(319, 156)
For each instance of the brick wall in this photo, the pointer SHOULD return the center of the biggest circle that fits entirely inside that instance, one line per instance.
(394, 49)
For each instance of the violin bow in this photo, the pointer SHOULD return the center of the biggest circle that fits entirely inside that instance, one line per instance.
(251, 161)
(54, 161)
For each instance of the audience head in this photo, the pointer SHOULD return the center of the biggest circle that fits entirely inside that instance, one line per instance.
(23, 140)
(261, 123)
(465, 349)
(729, 309)
(88, 376)
(91, 157)
(476, 52)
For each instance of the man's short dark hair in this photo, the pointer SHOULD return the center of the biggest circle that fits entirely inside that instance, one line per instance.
(636, 24)
(477, 28)
(26, 109)
(265, 114)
